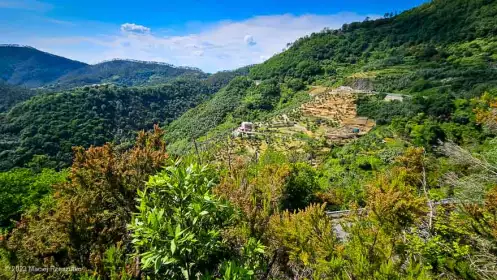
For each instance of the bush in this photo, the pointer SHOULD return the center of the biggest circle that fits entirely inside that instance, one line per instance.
(300, 187)
(178, 226)
(22, 189)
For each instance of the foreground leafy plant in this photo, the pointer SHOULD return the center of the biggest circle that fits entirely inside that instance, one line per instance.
(177, 230)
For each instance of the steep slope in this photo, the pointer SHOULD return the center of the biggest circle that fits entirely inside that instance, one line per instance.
(126, 73)
(443, 48)
(206, 116)
(444, 41)
(30, 67)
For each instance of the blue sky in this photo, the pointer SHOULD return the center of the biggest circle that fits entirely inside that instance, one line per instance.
(212, 35)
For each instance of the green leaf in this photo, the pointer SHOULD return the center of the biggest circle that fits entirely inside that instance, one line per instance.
(185, 273)
(173, 246)
(178, 231)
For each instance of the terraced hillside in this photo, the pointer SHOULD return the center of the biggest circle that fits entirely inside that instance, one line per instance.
(328, 119)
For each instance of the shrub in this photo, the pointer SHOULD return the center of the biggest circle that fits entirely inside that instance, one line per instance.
(177, 230)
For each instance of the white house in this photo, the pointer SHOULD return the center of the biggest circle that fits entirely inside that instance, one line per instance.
(245, 127)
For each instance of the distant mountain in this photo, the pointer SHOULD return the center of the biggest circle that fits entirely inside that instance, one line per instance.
(29, 67)
(26, 66)
(126, 73)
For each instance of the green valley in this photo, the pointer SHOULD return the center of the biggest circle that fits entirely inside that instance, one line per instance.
(363, 152)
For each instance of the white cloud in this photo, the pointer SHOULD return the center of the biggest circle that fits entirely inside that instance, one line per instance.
(59, 22)
(30, 5)
(198, 53)
(135, 28)
(224, 45)
(249, 40)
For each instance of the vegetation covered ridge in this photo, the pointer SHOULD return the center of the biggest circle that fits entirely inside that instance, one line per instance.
(414, 53)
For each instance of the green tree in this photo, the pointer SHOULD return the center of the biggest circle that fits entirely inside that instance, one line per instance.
(22, 189)
(300, 187)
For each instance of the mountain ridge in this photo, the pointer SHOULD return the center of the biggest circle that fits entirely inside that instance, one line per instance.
(30, 67)
(125, 72)
(23, 66)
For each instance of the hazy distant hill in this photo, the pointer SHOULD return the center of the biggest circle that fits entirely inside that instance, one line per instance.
(126, 72)
(30, 67)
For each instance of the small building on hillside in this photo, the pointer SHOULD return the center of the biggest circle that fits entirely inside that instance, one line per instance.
(392, 97)
(244, 128)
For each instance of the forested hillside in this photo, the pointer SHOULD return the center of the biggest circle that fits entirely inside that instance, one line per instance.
(50, 124)
(442, 50)
(406, 190)
(126, 73)
(30, 67)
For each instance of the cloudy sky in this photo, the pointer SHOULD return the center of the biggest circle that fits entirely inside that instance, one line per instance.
(209, 34)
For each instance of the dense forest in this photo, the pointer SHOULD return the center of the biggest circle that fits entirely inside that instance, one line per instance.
(11, 95)
(146, 198)
(47, 126)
